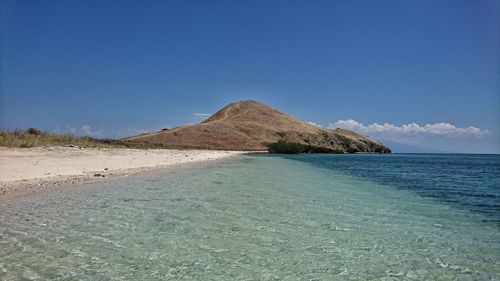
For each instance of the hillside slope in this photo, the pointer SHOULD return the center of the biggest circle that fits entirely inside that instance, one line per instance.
(250, 125)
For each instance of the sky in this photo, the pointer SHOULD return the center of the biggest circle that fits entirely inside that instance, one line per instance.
(424, 74)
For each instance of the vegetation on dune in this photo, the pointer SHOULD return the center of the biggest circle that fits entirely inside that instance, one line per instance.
(33, 137)
(285, 147)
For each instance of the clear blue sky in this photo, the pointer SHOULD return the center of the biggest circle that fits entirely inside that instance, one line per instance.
(110, 68)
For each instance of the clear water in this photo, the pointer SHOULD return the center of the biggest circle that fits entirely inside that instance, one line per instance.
(466, 181)
(311, 217)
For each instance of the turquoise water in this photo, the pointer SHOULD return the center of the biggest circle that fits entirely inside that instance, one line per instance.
(466, 181)
(311, 217)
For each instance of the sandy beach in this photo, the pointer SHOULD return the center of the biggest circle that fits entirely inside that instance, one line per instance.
(28, 169)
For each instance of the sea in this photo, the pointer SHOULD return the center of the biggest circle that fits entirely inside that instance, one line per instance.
(266, 217)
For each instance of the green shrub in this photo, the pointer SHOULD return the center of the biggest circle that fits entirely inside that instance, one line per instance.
(284, 147)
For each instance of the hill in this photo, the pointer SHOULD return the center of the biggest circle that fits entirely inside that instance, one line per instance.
(250, 125)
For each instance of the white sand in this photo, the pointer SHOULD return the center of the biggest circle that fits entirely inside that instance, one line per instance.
(31, 168)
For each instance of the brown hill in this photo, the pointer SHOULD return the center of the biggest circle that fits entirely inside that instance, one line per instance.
(250, 125)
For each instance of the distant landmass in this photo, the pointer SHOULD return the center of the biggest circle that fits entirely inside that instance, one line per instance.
(251, 126)
(397, 147)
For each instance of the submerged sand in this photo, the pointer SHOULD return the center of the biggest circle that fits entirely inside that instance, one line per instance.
(29, 169)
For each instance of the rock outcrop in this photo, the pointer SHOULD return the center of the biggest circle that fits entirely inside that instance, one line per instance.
(250, 125)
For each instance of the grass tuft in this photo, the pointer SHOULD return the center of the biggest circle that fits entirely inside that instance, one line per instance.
(34, 138)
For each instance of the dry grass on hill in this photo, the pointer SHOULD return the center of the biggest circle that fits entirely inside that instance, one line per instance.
(33, 138)
(251, 126)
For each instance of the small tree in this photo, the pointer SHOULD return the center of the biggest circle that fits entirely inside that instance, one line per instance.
(33, 131)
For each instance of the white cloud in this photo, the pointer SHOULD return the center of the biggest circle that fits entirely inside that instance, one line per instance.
(66, 130)
(411, 129)
(87, 130)
(201, 115)
(314, 124)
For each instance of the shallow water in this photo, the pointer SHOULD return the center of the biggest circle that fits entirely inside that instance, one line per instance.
(465, 181)
(250, 218)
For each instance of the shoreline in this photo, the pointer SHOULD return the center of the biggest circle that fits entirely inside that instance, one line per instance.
(27, 170)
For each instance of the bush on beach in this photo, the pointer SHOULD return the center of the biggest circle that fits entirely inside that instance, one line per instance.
(284, 147)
